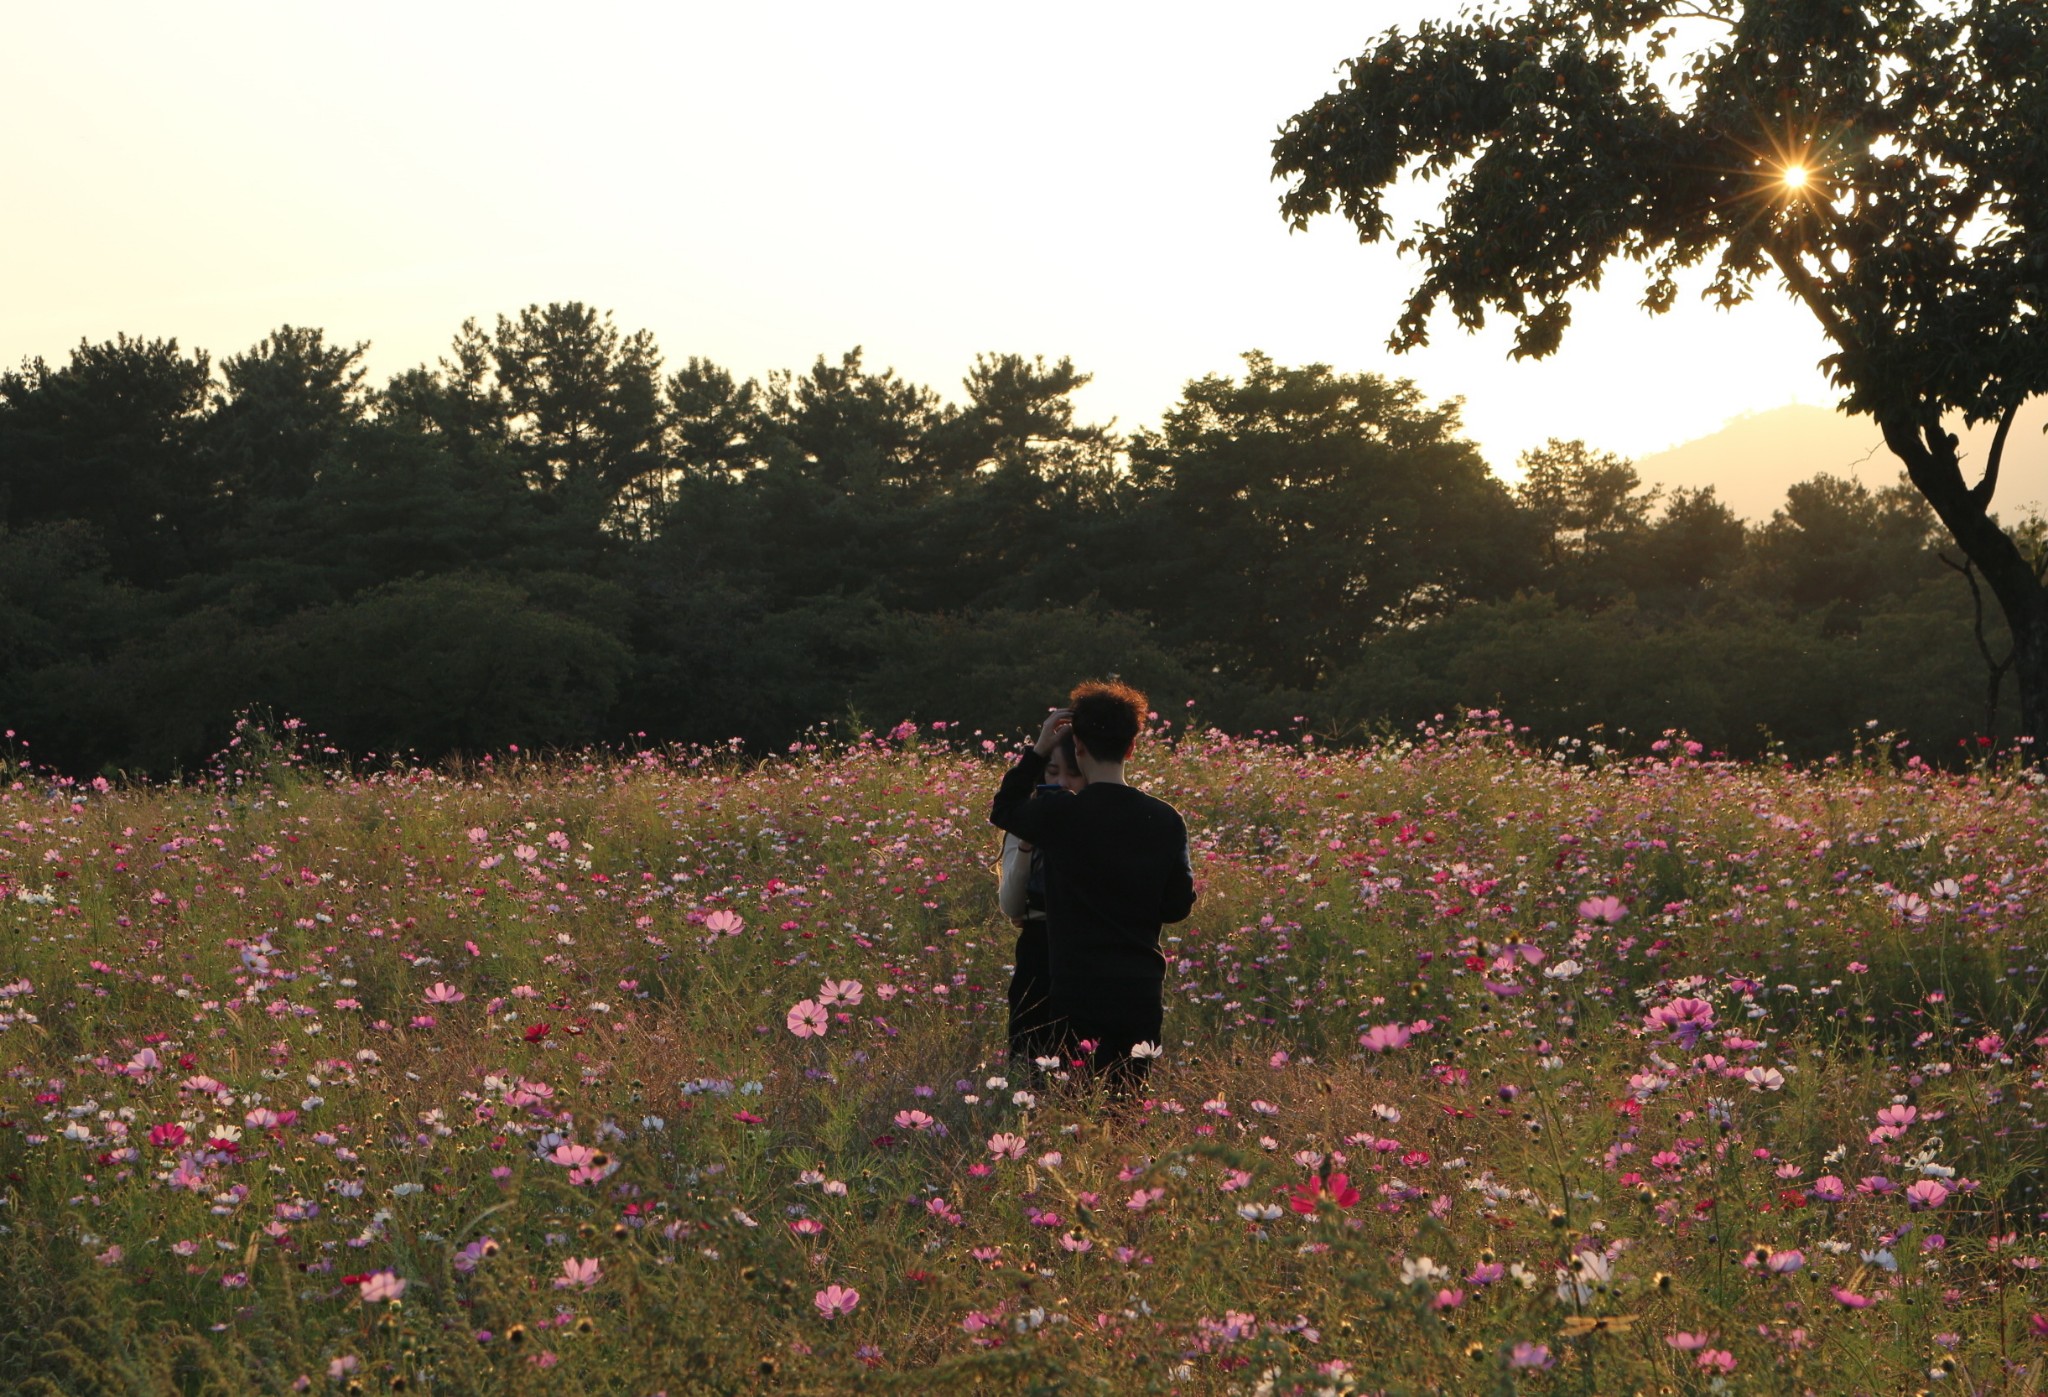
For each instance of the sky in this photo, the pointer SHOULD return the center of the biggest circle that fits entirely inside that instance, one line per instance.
(762, 184)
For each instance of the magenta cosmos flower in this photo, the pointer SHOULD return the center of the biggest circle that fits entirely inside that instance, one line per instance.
(1683, 1019)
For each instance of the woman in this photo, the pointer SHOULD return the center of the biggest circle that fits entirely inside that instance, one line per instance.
(1021, 890)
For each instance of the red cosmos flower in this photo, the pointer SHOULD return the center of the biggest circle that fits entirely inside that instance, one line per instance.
(538, 1032)
(1337, 1189)
(168, 1136)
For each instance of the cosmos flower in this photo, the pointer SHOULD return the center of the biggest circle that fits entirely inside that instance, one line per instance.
(835, 1300)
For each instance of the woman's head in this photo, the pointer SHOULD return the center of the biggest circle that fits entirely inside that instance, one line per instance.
(1062, 768)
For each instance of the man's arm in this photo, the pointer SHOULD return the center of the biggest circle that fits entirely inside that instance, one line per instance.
(1011, 807)
(1014, 809)
(1179, 897)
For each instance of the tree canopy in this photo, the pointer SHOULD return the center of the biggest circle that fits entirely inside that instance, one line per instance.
(553, 537)
(1886, 161)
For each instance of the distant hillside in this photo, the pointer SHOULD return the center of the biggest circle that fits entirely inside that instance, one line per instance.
(1751, 460)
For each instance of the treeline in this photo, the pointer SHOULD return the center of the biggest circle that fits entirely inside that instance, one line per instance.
(552, 537)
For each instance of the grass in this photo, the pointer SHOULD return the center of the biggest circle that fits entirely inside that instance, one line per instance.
(280, 1040)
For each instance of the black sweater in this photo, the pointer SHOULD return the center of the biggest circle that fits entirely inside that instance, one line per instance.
(1116, 867)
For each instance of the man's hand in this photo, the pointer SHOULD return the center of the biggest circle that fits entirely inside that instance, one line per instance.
(1058, 724)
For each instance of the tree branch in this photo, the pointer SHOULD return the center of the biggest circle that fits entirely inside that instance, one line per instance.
(1809, 291)
(1994, 669)
(1982, 490)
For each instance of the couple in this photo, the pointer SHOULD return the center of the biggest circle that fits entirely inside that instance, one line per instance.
(1108, 865)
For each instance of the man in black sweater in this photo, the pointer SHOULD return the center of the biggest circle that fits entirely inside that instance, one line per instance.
(1116, 868)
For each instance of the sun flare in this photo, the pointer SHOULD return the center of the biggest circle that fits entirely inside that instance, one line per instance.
(1795, 176)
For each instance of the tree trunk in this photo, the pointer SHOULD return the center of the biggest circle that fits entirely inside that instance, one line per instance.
(2030, 669)
(1929, 454)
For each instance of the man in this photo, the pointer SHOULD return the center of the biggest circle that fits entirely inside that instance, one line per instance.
(1116, 868)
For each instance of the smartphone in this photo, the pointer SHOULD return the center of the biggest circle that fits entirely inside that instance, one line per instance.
(1047, 786)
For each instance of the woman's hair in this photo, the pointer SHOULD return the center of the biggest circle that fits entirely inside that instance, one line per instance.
(1066, 751)
(1107, 718)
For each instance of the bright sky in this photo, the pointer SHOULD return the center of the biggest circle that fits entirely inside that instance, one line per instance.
(759, 184)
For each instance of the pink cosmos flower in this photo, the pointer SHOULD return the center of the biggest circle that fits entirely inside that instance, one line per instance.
(1004, 1145)
(381, 1286)
(1927, 1194)
(1850, 1298)
(1716, 1360)
(1784, 1263)
(1829, 1189)
(441, 992)
(579, 1272)
(572, 1156)
(725, 923)
(1898, 1117)
(914, 1120)
(1383, 1038)
(167, 1136)
(807, 1019)
(1528, 1355)
(1603, 909)
(836, 992)
(1688, 1343)
(835, 1300)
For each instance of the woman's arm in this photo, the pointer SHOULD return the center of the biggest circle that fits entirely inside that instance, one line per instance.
(1014, 877)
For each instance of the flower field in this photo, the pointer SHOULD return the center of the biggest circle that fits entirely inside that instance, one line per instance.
(1488, 1070)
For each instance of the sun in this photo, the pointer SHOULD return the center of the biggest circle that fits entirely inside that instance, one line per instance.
(1795, 177)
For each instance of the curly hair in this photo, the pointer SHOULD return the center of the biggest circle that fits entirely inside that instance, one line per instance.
(1107, 718)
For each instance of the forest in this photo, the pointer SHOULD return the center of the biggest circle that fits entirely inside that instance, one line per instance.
(554, 538)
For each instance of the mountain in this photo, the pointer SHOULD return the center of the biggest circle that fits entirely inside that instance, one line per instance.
(1751, 460)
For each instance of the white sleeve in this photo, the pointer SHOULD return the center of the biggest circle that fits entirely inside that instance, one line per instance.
(1014, 878)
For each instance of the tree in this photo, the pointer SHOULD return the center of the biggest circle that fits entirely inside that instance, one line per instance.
(1841, 550)
(1286, 517)
(284, 405)
(108, 439)
(1886, 161)
(1585, 499)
